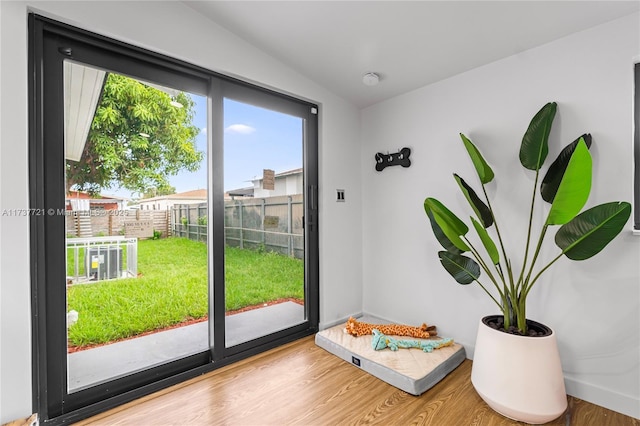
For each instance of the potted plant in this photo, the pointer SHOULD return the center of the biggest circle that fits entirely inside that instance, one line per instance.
(532, 392)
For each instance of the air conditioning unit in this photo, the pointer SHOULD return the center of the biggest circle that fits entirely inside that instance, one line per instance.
(104, 262)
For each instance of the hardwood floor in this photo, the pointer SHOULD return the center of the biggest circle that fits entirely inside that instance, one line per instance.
(302, 384)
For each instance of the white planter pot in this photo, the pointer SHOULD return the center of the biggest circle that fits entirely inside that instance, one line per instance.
(519, 377)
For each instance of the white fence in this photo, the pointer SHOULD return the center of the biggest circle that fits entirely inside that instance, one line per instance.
(101, 258)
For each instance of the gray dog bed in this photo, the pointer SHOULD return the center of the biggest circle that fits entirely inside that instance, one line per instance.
(411, 370)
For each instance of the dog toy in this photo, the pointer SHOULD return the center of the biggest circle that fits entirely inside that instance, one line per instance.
(357, 328)
(380, 341)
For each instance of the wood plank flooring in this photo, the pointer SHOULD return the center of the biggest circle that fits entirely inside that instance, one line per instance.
(302, 384)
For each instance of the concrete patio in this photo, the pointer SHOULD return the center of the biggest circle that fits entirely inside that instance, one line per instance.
(93, 366)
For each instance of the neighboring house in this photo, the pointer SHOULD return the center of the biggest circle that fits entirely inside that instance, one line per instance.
(239, 193)
(286, 183)
(165, 202)
(77, 200)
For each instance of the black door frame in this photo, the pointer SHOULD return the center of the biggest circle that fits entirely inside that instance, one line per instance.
(50, 43)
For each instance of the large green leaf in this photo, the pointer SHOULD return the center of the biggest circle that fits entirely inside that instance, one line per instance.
(488, 243)
(450, 224)
(535, 143)
(482, 211)
(589, 232)
(574, 187)
(463, 269)
(551, 181)
(482, 168)
(442, 239)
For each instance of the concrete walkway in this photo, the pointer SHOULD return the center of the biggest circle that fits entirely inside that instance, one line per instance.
(93, 366)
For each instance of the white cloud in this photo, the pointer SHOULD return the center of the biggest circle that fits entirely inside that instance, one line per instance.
(203, 130)
(241, 129)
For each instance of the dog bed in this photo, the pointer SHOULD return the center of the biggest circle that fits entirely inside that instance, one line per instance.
(410, 370)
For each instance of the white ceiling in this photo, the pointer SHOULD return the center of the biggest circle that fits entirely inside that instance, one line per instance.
(408, 43)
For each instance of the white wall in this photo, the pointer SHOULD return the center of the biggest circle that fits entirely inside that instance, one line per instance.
(200, 41)
(594, 306)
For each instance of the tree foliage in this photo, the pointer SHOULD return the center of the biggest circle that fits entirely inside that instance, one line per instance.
(158, 192)
(137, 139)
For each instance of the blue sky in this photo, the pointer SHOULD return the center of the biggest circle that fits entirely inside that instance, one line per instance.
(257, 139)
(254, 139)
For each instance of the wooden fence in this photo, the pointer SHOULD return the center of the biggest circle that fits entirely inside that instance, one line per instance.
(272, 224)
(102, 223)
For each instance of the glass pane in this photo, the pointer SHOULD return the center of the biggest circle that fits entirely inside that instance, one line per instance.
(136, 224)
(264, 236)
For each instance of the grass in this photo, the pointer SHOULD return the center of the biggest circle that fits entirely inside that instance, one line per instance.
(172, 288)
(252, 277)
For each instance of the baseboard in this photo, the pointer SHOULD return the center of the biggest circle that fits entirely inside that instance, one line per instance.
(606, 398)
(324, 325)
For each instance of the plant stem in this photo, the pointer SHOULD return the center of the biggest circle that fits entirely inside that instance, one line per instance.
(535, 255)
(510, 288)
(491, 296)
(495, 222)
(522, 315)
(500, 272)
(533, 281)
(483, 264)
(526, 251)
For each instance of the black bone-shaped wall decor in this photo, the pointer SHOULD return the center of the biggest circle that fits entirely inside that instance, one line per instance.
(400, 158)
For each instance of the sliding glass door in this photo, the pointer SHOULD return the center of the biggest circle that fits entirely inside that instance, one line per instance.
(135, 160)
(179, 225)
(263, 220)
(265, 168)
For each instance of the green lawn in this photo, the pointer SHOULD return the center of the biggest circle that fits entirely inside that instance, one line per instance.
(172, 288)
